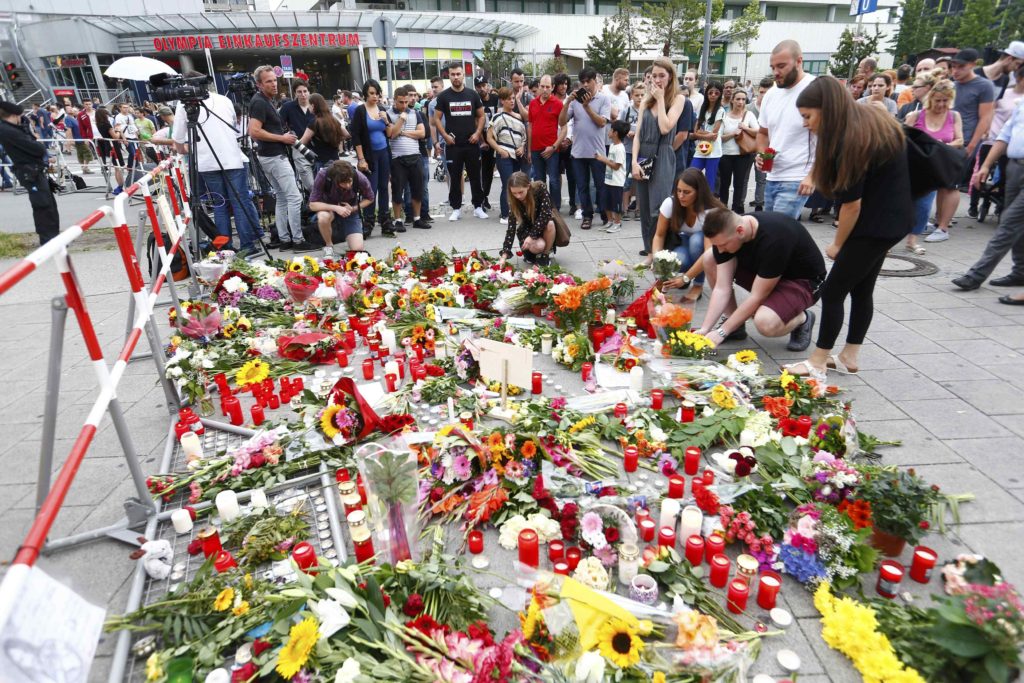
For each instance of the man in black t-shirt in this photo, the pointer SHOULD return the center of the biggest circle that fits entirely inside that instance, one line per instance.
(459, 118)
(491, 106)
(297, 116)
(774, 258)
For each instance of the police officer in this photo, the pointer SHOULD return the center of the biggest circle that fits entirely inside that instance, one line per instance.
(28, 158)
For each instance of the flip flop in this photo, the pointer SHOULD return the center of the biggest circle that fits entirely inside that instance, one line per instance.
(839, 366)
(804, 369)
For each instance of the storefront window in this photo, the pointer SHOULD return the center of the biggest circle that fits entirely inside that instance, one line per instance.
(510, 6)
(537, 7)
(419, 71)
(402, 69)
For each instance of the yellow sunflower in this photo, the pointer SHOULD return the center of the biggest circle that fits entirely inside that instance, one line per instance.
(224, 599)
(253, 372)
(242, 608)
(313, 265)
(327, 421)
(619, 643)
(460, 278)
(294, 655)
(722, 397)
(295, 266)
(746, 356)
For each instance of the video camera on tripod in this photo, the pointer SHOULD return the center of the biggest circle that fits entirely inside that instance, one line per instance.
(172, 87)
(242, 86)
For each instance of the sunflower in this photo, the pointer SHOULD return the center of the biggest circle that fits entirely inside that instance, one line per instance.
(460, 278)
(313, 265)
(253, 372)
(224, 599)
(295, 266)
(619, 643)
(327, 421)
(528, 450)
(301, 640)
(746, 356)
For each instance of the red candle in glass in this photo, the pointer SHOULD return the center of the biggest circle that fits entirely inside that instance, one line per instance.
(459, 264)
(476, 541)
(586, 370)
(620, 410)
(598, 337)
(400, 358)
(804, 421)
(719, 570)
(537, 381)
(713, 545)
(736, 600)
(342, 359)
(363, 549)
(368, 369)
(631, 458)
(562, 568)
(657, 399)
(298, 385)
(708, 477)
(304, 556)
(258, 416)
(667, 536)
(687, 411)
(223, 561)
(419, 352)
(286, 385)
(695, 550)
(374, 348)
(273, 402)
(647, 528)
(924, 562)
(529, 550)
(350, 339)
(768, 589)
(572, 557)
(179, 429)
(642, 514)
(676, 486)
(691, 460)
(696, 484)
(890, 574)
(556, 550)
(234, 410)
(391, 381)
(210, 540)
(418, 372)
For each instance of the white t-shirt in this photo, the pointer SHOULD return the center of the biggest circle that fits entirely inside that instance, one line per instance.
(731, 125)
(128, 128)
(698, 225)
(793, 144)
(620, 103)
(716, 146)
(221, 135)
(616, 178)
(697, 100)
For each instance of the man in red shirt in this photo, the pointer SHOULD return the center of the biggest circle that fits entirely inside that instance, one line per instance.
(85, 117)
(545, 138)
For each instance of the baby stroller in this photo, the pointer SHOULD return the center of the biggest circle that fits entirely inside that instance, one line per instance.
(990, 194)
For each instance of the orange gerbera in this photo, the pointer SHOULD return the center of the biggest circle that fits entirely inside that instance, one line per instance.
(485, 502)
(672, 316)
(496, 442)
(528, 450)
(777, 406)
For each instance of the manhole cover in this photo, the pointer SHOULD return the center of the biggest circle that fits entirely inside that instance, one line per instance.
(906, 266)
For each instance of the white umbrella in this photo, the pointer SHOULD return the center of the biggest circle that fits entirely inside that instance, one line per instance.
(137, 68)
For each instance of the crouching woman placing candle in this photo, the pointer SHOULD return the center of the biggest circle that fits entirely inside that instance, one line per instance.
(531, 219)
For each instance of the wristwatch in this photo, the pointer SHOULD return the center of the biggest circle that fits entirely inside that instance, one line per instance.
(687, 279)
(721, 333)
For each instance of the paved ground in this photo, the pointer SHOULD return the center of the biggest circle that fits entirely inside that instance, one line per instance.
(942, 372)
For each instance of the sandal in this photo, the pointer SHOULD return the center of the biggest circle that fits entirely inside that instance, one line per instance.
(916, 249)
(834, 363)
(805, 369)
(818, 218)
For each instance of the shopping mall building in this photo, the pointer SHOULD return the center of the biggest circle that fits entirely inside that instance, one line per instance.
(332, 45)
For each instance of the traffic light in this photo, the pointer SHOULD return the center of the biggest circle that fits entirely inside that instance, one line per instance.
(13, 77)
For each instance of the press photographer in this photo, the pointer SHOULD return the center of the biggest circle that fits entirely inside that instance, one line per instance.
(217, 154)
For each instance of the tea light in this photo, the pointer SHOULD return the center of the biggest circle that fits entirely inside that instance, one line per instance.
(781, 617)
(788, 660)
(556, 550)
(227, 505)
(691, 460)
(708, 477)
(258, 500)
(528, 548)
(890, 574)
(676, 486)
(669, 512)
(644, 589)
(391, 382)
(736, 598)
(924, 562)
(562, 568)
(476, 542)
(572, 557)
(642, 514)
(691, 521)
(304, 556)
(631, 459)
(713, 545)
(182, 521)
(667, 536)
(694, 550)
(192, 445)
(719, 570)
(647, 529)
(768, 589)
(696, 485)
(636, 378)
(657, 399)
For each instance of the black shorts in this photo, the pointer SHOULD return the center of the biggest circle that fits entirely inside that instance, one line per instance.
(407, 170)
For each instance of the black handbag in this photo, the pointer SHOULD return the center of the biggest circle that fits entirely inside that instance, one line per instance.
(933, 165)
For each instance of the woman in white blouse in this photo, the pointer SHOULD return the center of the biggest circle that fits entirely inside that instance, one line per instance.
(734, 168)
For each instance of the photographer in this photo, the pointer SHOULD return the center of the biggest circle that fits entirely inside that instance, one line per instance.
(28, 159)
(324, 135)
(267, 129)
(219, 161)
(298, 115)
(339, 194)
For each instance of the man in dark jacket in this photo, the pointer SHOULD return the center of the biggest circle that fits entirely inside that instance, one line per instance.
(29, 165)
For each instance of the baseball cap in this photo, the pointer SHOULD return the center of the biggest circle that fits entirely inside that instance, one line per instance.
(480, 80)
(1015, 49)
(164, 111)
(966, 56)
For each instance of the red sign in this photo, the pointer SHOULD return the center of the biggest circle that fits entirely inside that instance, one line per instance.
(243, 41)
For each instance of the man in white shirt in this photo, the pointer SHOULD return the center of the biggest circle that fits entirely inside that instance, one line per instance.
(690, 81)
(616, 92)
(219, 161)
(781, 129)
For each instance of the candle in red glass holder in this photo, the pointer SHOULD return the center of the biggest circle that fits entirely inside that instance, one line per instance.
(805, 425)
(708, 477)
(368, 369)
(890, 574)
(719, 570)
(401, 359)
(529, 551)
(573, 556)
(418, 349)
(298, 385)
(586, 370)
(374, 348)
(768, 589)
(210, 540)
(631, 458)
(695, 550)
(562, 568)
(342, 359)
(924, 562)
(713, 545)
(350, 339)
(286, 385)
(258, 416)
(418, 372)
(736, 599)
(361, 488)
(687, 411)
(223, 561)
(642, 514)
(556, 550)
(234, 409)
(599, 336)
(466, 418)
(537, 380)
(667, 536)
(304, 556)
(391, 381)
(476, 541)
(361, 541)
(273, 402)
(696, 484)
(647, 529)
(691, 460)
(676, 486)
(657, 399)
(620, 410)
(180, 428)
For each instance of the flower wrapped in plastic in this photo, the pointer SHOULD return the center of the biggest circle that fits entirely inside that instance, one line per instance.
(391, 478)
(315, 347)
(201, 322)
(301, 286)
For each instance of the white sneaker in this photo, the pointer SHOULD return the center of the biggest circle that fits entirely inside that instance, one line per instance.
(329, 253)
(480, 213)
(503, 220)
(579, 214)
(613, 228)
(937, 236)
(455, 215)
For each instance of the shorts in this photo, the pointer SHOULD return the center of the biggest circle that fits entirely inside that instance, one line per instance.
(352, 225)
(83, 151)
(789, 299)
(407, 170)
(612, 200)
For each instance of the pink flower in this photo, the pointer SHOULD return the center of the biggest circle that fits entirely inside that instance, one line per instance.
(591, 524)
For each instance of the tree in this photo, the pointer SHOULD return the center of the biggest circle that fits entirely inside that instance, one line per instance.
(628, 23)
(852, 48)
(607, 52)
(745, 29)
(496, 59)
(917, 29)
(946, 35)
(555, 65)
(678, 25)
(977, 24)
(1011, 23)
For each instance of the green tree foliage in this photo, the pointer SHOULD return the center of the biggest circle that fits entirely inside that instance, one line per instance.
(918, 22)
(853, 48)
(607, 52)
(678, 25)
(1011, 23)
(497, 59)
(978, 25)
(745, 29)
(629, 24)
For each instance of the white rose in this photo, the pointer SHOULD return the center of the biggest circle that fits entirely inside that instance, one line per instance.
(589, 667)
(348, 672)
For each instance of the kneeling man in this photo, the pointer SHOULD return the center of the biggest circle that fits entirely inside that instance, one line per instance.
(340, 193)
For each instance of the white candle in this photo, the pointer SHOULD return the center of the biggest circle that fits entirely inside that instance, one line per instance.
(460, 300)
(609, 316)
(391, 368)
(182, 521)
(440, 350)
(258, 500)
(387, 338)
(657, 348)
(669, 510)
(451, 409)
(636, 378)
(690, 522)
(545, 344)
(192, 445)
(227, 506)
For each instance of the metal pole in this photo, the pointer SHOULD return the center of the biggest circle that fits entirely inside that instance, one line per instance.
(705, 57)
(388, 54)
(58, 320)
(856, 40)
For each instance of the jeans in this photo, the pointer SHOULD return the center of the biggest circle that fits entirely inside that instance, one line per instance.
(380, 178)
(710, 168)
(506, 167)
(289, 200)
(689, 252)
(760, 178)
(425, 202)
(587, 170)
(247, 222)
(464, 157)
(570, 179)
(487, 163)
(923, 209)
(681, 158)
(784, 197)
(550, 168)
(304, 168)
(1009, 236)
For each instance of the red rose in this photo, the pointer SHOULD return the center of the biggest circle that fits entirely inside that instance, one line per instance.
(434, 370)
(195, 547)
(259, 646)
(257, 460)
(191, 512)
(479, 630)
(436, 494)
(413, 606)
(924, 524)
(244, 673)
(611, 534)
(386, 598)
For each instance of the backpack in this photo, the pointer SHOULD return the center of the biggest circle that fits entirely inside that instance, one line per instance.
(179, 267)
(933, 165)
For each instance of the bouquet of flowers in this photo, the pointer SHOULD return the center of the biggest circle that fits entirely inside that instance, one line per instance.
(431, 264)
(666, 265)
(744, 362)
(315, 347)
(391, 477)
(822, 545)
(202, 320)
(831, 480)
(581, 304)
(573, 350)
(347, 417)
(301, 286)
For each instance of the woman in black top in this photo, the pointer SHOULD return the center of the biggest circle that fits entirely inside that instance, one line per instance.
(530, 219)
(861, 161)
(107, 149)
(325, 135)
(369, 123)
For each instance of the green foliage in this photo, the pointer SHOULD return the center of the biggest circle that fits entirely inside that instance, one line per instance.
(917, 28)
(851, 49)
(745, 29)
(677, 26)
(257, 536)
(555, 65)
(901, 502)
(706, 430)
(1011, 23)
(627, 22)
(608, 51)
(497, 59)
(978, 25)
(393, 477)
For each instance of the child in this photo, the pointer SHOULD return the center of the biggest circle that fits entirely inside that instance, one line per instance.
(615, 174)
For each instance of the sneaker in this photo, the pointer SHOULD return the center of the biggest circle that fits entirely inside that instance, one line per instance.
(800, 338)
(937, 236)
(274, 244)
(329, 253)
(542, 260)
(930, 228)
(421, 225)
(116, 191)
(632, 205)
(480, 213)
(503, 220)
(285, 246)
(455, 215)
(400, 226)
(972, 212)
(578, 215)
(613, 228)
(304, 246)
(487, 205)
(644, 252)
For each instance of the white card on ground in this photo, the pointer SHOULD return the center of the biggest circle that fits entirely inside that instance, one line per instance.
(521, 323)
(493, 355)
(452, 313)
(373, 393)
(610, 378)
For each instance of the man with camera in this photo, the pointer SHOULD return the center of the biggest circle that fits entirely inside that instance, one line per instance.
(340, 193)
(218, 159)
(28, 159)
(267, 129)
(590, 111)
(298, 115)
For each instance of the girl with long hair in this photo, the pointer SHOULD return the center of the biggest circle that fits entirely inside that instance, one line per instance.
(735, 165)
(369, 134)
(654, 161)
(530, 219)
(861, 161)
(708, 132)
(108, 146)
(879, 89)
(325, 135)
